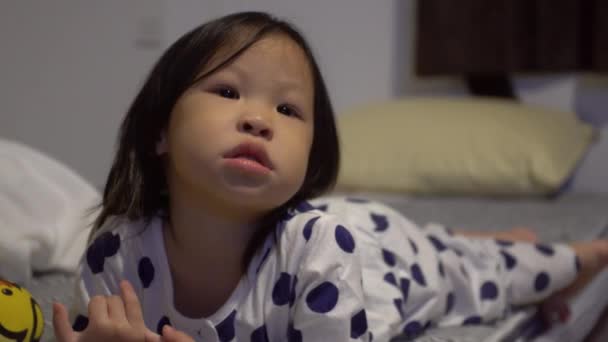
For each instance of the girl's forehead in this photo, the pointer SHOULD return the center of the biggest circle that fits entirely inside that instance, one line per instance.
(277, 46)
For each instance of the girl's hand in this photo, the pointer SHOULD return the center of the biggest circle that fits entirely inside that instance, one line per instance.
(172, 335)
(111, 318)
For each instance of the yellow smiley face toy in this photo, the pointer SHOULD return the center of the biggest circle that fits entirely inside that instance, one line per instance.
(20, 316)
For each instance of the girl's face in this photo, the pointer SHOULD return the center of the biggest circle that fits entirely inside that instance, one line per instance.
(241, 137)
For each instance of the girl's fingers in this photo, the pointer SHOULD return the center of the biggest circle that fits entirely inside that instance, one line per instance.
(98, 310)
(151, 336)
(132, 305)
(172, 335)
(61, 324)
(116, 309)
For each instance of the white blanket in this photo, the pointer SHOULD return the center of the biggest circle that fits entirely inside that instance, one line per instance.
(44, 213)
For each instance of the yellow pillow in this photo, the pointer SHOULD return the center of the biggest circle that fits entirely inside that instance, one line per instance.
(459, 147)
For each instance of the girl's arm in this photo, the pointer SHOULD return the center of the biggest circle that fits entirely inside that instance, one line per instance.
(106, 306)
(329, 302)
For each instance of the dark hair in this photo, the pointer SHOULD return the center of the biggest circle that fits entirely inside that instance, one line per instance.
(135, 185)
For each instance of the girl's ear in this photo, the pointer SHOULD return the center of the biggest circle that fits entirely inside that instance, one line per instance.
(161, 144)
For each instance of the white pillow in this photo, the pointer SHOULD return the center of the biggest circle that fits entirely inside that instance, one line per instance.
(43, 213)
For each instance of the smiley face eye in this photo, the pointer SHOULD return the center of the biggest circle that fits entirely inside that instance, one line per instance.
(7, 292)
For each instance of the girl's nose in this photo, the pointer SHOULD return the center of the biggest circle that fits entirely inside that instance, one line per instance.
(256, 126)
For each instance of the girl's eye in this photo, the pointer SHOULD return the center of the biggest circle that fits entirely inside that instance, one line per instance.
(287, 110)
(228, 93)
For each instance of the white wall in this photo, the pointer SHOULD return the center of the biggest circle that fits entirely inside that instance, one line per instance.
(68, 70)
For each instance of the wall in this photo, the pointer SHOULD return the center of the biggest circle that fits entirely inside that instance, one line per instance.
(69, 70)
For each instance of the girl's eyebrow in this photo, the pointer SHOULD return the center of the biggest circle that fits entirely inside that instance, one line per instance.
(286, 84)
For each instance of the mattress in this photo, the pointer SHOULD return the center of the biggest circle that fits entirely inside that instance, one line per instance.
(570, 217)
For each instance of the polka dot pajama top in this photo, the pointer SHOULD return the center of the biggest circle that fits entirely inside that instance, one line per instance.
(334, 269)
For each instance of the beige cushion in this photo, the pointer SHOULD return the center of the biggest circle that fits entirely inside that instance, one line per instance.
(460, 147)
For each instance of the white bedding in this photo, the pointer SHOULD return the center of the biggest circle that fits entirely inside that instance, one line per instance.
(43, 207)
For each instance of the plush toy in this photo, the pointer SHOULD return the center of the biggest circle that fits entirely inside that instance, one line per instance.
(20, 316)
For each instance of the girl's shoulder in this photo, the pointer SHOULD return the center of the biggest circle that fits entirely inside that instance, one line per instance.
(300, 222)
(119, 229)
(308, 228)
(309, 239)
(117, 240)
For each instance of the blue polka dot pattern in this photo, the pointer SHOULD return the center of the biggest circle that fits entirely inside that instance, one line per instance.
(399, 305)
(577, 264)
(266, 254)
(358, 325)
(441, 270)
(105, 245)
(389, 257)
(281, 291)
(344, 239)
(489, 291)
(544, 249)
(380, 221)
(417, 274)
(307, 232)
(323, 298)
(449, 303)
(439, 246)
(405, 288)
(356, 200)
(80, 323)
(412, 329)
(287, 215)
(322, 207)
(145, 270)
(304, 206)
(541, 282)
(414, 246)
(293, 335)
(504, 243)
(510, 260)
(390, 278)
(292, 291)
(371, 337)
(161, 323)
(260, 334)
(225, 330)
(472, 320)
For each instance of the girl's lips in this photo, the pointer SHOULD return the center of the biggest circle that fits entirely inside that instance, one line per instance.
(247, 164)
(250, 154)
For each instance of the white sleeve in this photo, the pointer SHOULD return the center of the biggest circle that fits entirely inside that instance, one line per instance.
(99, 273)
(329, 303)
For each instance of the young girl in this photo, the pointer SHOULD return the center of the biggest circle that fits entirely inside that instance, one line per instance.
(205, 233)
